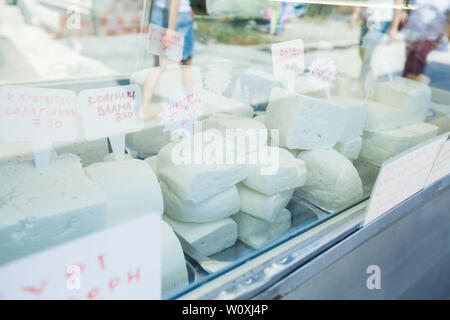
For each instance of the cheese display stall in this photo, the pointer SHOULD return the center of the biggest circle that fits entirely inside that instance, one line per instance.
(261, 183)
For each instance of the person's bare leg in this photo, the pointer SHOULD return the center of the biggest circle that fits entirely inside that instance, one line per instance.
(149, 88)
(188, 80)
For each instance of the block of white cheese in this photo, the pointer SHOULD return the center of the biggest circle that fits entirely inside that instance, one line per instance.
(41, 208)
(273, 170)
(262, 206)
(294, 152)
(350, 149)
(254, 232)
(381, 117)
(219, 206)
(355, 114)
(214, 103)
(89, 151)
(207, 238)
(377, 147)
(304, 122)
(424, 131)
(249, 134)
(153, 163)
(13, 152)
(173, 265)
(304, 86)
(332, 182)
(111, 157)
(412, 98)
(197, 170)
(130, 187)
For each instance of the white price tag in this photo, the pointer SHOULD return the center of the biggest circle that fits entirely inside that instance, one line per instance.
(164, 42)
(122, 262)
(288, 60)
(402, 176)
(111, 112)
(441, 166)
(38, 115)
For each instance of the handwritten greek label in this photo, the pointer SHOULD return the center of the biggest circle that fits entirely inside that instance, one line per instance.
(402, 176)
(322, 74)
(288, 55)
(182, 110)
(164, 42)
(38, 115)
(111, 111)
(441, 166)
(98, 266)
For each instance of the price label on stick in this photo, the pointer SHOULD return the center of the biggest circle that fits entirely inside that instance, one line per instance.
(165, 42)
(111, 112)
(322, 74)
(38, 115)
(288, 60)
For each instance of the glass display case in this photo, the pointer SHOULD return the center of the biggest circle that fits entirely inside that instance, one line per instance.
(262, 125)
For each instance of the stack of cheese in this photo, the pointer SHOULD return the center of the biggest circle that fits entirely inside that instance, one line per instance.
(199, 191)
(273, 174)
(395, 122)
(316, 126)
(171, 83)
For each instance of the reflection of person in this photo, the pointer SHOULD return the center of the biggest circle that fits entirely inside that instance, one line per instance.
(175, 15)
(377, 21)
(425, 28)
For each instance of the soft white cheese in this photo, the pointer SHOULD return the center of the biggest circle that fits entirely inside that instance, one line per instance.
(153, 163)
(272, 170)
(262, 206)
(332, 182)
(377, 147)
(250, 134)
(255, 232)
(214, 103)
(412, 98)
(219, 206)
(348, 87)
(350, 149)
(368, 174)
(44, 207)
(13, 152)
(130, 187)
(381, 117)
(355, 114)
(304, 122)
(424, 131)
(173, 265)
(207, 238)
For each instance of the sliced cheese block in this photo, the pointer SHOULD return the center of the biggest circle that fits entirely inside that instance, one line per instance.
(381, 117)
(304, 122)
(442, 122)
(332, 182)
(412, 98)
(377, 147)
(219, 206)
(350, 149)
(355, 114)
(130, 187)
(41, 208)
(14, 152)
(424, 131)
(254, 232)
(195, 172)
(173, 265)
(111, 157)
(272, 170)
(153, 163)
(261, 206)
(249, 133)
(207, 238)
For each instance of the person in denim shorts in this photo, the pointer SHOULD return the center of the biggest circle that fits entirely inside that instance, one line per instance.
(174, 15)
